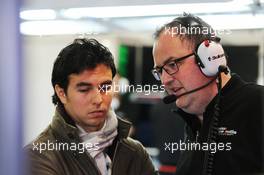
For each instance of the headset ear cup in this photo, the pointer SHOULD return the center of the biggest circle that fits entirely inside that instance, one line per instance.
(211, 54)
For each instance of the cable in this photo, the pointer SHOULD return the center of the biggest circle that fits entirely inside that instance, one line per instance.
(213, 128)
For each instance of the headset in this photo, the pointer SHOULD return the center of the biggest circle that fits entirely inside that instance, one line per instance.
(209, 53)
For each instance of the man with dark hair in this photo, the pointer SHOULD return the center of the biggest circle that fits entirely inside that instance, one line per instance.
(223, 114)
(85, 136)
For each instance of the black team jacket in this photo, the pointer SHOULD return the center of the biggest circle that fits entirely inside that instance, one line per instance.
(239, 142)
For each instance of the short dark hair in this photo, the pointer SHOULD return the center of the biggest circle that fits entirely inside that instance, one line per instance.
(80, 55)
(191, 22)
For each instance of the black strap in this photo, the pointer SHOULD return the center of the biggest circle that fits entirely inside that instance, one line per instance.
(213, 128)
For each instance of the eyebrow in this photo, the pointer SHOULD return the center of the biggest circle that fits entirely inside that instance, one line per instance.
(170, 59)
(107, 82)
(82, 84)
(165, 62)
(175, 59)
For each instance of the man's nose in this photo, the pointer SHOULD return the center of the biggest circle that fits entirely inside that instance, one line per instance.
(166, 78)
(97, 98)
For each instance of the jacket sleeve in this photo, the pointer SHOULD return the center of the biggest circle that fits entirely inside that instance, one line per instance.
(147, 167)
(39, 163)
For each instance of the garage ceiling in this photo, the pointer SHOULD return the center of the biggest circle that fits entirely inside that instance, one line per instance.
(120, 16)
(59, 4)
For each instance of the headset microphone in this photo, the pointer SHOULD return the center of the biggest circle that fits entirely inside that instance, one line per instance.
(169, 99)
(172, 98)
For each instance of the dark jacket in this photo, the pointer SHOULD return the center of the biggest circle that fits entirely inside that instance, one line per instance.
(240, 132)
(128, 156)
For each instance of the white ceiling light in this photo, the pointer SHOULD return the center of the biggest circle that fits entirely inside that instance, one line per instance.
(240, 21)
(44, 14)
(61, 27)
(154, 10)
(218, 22)
(142, 24)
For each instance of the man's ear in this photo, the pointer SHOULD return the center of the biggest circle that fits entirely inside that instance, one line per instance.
(60, 93)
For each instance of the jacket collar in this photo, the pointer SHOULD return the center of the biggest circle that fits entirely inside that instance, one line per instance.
(227, 93)
(63, 125)
(123, 128)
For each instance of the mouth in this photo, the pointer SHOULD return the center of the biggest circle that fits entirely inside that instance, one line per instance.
(98, 113)
(176, 91)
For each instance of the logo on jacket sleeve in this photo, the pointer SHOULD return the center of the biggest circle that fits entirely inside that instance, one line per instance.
(225, 132)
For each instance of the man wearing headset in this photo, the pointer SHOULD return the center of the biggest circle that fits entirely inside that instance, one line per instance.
(223, 114)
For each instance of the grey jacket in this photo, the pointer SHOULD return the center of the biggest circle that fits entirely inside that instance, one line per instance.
(55, 152)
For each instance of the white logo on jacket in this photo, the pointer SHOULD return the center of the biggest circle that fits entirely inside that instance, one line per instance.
(225, 132)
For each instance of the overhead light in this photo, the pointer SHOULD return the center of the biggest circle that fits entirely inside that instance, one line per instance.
(242, 2)
(218, 22)
(43, 14)
(235, 21)
(154, 10)
(61, 27)
(142, 24)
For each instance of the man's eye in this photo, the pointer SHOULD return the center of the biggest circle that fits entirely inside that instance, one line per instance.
(85, 90)
(105, 87)
(172, 65)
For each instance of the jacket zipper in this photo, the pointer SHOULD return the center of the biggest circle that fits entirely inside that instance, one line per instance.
(197, 136)
(117, 144)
